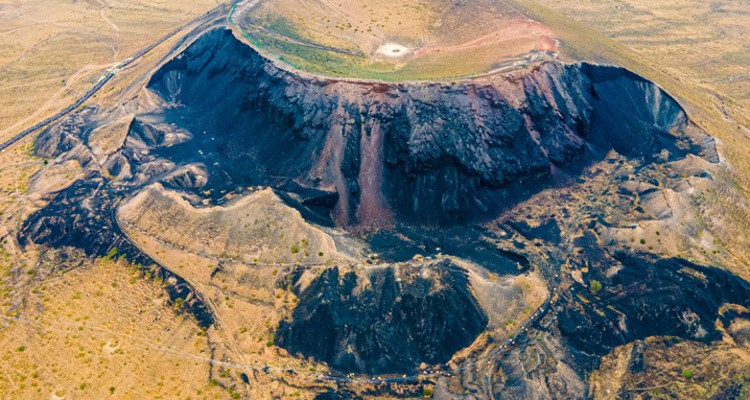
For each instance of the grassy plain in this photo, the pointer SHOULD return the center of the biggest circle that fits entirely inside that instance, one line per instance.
(99, 330)
(102, 331)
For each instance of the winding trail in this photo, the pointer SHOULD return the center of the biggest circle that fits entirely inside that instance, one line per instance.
(76, 76)
(104, 17)
(206, 300)
(109, 74)
(109, 21)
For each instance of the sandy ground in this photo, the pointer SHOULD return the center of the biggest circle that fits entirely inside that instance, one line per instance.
(393, 50)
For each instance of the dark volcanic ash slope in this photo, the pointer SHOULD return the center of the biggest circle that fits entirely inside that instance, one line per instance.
(390, 320)
(647, 297)
(427, 150)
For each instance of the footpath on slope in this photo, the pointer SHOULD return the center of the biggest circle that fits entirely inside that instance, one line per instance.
(108, 75)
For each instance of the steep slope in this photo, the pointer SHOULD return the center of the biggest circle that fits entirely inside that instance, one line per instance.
(419, 150)
(389, 320)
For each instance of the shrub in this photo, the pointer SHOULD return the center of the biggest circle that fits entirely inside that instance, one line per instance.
(686, 373)
(595, 286)
(112, 253)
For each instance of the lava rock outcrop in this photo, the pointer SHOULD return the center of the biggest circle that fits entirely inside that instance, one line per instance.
(432, 151)
(389, 320)
(649, 297)
(82, 216)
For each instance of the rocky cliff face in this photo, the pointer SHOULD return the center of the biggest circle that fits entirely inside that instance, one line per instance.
(420, 150)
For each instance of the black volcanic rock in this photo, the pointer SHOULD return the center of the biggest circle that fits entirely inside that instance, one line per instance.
(77, 216)
(649, 297)
(389, 321)
(83, 216)
(432, 151)
(630, 114)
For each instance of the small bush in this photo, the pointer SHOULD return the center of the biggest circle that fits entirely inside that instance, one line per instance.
(112, 253)
(686, 373)
(595, 286)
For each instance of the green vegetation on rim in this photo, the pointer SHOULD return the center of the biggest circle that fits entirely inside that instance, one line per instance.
(353, 41)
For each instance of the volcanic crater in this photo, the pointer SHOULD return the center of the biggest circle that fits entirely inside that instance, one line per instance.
(406, 176)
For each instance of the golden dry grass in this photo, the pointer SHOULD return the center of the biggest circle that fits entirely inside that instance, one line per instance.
(101, 327)
(51, 51)
(257, 228)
